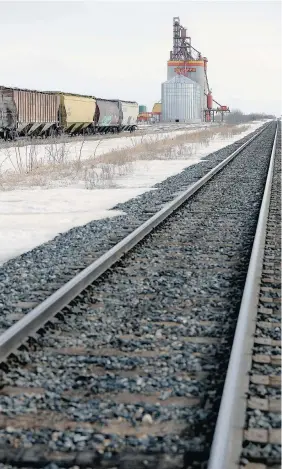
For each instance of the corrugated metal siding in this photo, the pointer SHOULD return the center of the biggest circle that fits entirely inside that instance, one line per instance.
(181, 100)
(77, 110)
(34, 106)
(109, 113)
(198, 76)
(130, 113)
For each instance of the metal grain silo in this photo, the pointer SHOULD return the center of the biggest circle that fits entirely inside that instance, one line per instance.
(181, 100)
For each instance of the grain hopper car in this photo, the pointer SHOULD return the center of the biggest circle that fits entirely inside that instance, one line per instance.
(42, 114)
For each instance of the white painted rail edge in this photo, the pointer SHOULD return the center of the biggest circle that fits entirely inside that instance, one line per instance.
(228, 436)
(12, 338)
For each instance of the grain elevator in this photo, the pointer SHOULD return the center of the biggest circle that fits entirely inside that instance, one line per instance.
(186, 96)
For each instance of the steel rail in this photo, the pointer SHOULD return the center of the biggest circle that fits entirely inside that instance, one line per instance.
(228, 436)
(15, 335)
(24, 141)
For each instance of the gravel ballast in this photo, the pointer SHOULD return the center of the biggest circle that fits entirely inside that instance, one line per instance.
(137, 363)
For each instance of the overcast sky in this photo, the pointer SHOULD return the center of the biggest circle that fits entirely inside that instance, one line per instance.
(120, 49)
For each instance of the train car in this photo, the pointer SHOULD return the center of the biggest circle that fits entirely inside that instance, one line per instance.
(130, 110)
(8, 114)
(76, 113)
(31, 112)
(108, 115)
(45, 113)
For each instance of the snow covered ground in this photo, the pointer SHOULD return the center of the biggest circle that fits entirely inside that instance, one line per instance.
(19, 157)
(31, 217)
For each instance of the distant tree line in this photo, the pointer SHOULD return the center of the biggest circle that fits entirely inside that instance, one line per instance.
(238, 117)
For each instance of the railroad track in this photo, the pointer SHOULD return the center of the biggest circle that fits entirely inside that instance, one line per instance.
(130, 371)
(24, 141)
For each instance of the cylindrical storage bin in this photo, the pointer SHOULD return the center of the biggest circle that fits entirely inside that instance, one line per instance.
(209, 101)
(181, 100)
(142, 108)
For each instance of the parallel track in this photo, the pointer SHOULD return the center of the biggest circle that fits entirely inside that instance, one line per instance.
(169, 331)
(248, 427)
(24, 141)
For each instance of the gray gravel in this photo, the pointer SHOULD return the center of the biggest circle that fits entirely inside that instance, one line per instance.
(260, 419)
(160, 323)
(257, 452)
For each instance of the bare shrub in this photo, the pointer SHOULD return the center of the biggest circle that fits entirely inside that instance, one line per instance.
(22, 159)
(30, 167)
(90, 178)
(57, 153)
(238, 117)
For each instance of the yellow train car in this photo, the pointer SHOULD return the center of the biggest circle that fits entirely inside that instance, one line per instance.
(76, 112)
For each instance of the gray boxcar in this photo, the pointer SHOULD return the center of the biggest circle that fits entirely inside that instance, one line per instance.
(108, 115)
